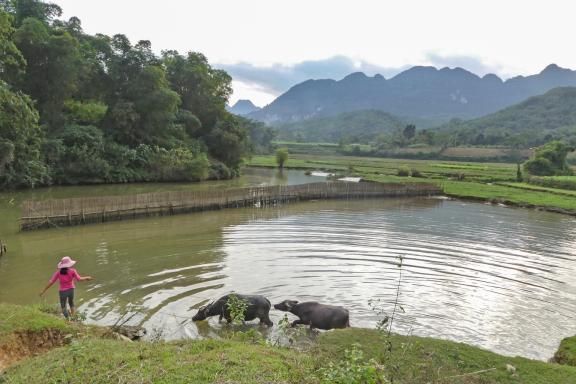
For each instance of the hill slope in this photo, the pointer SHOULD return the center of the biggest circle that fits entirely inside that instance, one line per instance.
(423, 92)
(242, 108)
(531, 122)
(358, 126)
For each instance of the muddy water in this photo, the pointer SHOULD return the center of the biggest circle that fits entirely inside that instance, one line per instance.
(495, 277)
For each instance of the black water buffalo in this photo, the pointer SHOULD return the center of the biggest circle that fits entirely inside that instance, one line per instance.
(316, 315)
(258, 307)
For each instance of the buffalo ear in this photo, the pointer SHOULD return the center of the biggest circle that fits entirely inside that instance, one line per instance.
(291, 303)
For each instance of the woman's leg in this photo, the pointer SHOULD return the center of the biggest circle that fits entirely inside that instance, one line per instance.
(63, 299)
(71, 302)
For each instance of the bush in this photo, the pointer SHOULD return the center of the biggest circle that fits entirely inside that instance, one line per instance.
(539, 167)
(416, 173)
(550, 160)
(353, 369)
(281, 157)
(219, 171)
(403, 171)
(79, 156)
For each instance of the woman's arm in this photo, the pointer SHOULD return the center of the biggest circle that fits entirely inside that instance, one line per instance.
(50, 283)
(82, 278)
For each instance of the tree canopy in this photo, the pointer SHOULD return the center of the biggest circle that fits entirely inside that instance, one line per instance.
(81, 108)
(550, 160)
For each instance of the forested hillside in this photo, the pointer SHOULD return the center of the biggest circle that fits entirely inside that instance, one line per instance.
(533, 122)
(351, 127)
(80, 108)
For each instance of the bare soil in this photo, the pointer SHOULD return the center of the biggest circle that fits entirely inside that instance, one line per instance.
(25, 344)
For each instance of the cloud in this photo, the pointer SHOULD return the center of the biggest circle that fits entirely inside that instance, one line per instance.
(278, 78)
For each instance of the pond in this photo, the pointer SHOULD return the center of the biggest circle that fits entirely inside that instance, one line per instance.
(499, 278)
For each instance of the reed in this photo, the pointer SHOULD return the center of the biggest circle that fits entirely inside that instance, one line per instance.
(79, 211)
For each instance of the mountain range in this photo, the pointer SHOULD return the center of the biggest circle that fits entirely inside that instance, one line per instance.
(424, 93)
(242, 108)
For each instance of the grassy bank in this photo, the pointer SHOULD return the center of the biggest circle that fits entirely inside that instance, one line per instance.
(478, 181)
(90, 358)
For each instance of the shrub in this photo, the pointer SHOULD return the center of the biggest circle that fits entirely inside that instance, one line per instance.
(403, 171)
(539, 167)
(550, 160)
(353, 369)
(415, 173)
(281, 157)
(237, 308)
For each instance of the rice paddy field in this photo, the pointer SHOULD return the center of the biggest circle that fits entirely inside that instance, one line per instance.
(495, 182)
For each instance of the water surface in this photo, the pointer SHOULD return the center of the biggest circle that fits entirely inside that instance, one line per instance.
(499, 278)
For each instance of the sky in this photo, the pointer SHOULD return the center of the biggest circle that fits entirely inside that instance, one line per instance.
(267, 46)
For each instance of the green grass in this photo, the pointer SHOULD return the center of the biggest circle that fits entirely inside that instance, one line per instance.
(297, 144)
(485, 181)
(533, 187)
(14, 318)
(385, 166)
(567, 352)
(561, 182)
(208, 361)
(413, 360)
(425, 360)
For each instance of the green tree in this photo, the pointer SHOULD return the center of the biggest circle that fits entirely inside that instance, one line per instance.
(21, 164)
(281, 157)
(549, 160)
(409, 131)
(229, 142)
(260, 135)
(11, 60)
(53, 65)
(82, 157)
(204, 91)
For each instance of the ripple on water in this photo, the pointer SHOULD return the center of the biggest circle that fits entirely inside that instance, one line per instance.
(494, 277)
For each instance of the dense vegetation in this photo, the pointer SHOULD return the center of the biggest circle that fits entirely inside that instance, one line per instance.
(535, 121)
(350, 127)
(78, 108)
(550, 160)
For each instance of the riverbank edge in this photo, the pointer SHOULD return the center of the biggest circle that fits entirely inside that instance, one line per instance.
(442, 182)
(53, 350)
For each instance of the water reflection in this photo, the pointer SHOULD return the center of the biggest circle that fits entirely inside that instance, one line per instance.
(495, 277)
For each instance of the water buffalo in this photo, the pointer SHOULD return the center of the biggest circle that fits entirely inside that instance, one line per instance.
(316, 315)
(258, 307)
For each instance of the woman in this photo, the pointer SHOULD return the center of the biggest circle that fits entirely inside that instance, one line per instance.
(66, 276)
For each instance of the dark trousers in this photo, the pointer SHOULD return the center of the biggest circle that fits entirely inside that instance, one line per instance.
(66, 297)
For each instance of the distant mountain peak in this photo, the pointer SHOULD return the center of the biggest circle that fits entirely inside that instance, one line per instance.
(243, 107)
(355, 76)
(552, 68)
(492, 78)
(423, 92)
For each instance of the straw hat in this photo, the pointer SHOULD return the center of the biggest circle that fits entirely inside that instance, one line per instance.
(66, 262)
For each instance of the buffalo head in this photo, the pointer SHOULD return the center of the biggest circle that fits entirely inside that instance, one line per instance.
(202, 313)
(286, 305)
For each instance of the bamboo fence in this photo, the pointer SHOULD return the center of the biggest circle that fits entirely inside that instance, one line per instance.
(86, 210)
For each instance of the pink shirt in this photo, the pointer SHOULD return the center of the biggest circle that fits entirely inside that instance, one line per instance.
(66, 281)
